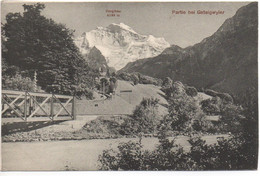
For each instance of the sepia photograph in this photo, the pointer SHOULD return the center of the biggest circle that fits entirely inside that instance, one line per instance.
(129, 86)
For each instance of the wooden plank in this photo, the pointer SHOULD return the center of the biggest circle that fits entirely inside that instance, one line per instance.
(18, 115)
(17, 98)
(38, 94)
(22, 102)
(39, 106)
(54, 96)
(64, 107)
(52, 107)
(63, 96)
(74, 113)
(14, 95)
(14, 92)
(25, 106)
(34, 119)
(17, 107)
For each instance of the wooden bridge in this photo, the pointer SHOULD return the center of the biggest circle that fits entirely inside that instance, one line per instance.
(35, 106)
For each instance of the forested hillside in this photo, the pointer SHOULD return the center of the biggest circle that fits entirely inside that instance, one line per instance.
(33, 44)
(225, 61)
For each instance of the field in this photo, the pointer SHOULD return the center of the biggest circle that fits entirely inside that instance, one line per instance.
(122, 102)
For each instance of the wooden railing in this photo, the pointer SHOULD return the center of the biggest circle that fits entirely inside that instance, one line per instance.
(26, 105)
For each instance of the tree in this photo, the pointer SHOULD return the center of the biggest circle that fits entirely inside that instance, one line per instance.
(112, 85)
(135, 79)
(145, 115)
(108, 73)
(35, 43)
(191, 91)
(167, 82)
(18, 83)
(104, 85)
(226, 154)
(212, 106)
(183, 109)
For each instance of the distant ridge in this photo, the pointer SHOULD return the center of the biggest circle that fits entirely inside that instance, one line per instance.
(225, 61)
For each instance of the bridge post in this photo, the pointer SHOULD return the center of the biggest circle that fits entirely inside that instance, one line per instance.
(52, 113)
(74, 113)
(25, 106)
(30, 105)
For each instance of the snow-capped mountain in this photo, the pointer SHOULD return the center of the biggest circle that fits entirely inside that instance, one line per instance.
(120, 44)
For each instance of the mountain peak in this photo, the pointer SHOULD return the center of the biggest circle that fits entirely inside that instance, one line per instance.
(120, 44)
(120, 26)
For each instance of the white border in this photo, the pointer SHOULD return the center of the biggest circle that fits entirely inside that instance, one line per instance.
(141, 173)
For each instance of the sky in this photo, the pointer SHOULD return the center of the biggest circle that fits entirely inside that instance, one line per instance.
(147, 18)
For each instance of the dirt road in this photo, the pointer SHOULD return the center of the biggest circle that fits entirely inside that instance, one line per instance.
(71, 155)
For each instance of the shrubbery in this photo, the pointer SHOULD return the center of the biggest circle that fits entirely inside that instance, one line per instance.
(191, 91)
(238, 152)
(167, 82)
(226, 154)
(18, 83)
(144, 119)
(224, 96)
(212, 106)
(82, 90)
(107, 86)
(229, 113)
(139, 78)
(184, 110)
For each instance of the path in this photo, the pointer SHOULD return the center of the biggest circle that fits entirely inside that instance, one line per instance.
(72, 155)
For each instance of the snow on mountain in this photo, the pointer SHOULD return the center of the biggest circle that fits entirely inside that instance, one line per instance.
(120, 44)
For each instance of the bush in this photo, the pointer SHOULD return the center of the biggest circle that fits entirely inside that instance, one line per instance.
(139, 78)
(178, 88)
(211, 92)
(231, 117)
(19, 83)
(135, 79)
(167, 82)
(104, 126)
(144, 119)
(183, 110)
(82, 90)
(191, 91)
(146, 115)
(112, 85)
(224, 96)
(124, 76)
(211, 106)
(168, 92)
(129, 157)
(104, 85)
(226, 154)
